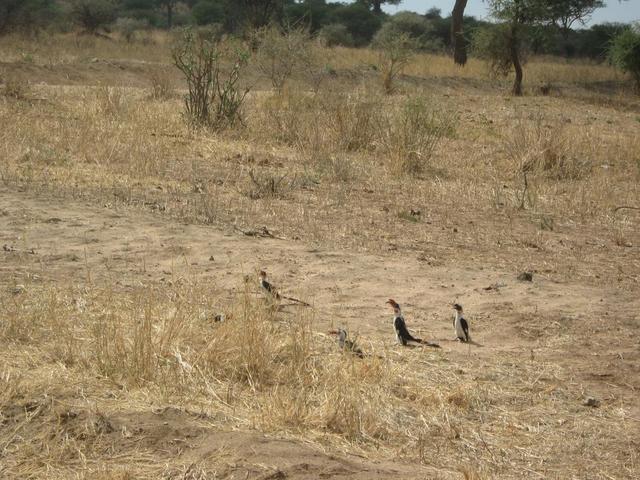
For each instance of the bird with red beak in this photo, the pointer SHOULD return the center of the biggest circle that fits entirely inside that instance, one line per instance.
(400, 326)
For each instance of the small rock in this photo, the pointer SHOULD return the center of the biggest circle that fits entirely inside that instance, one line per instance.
(219, 317)
(526, 277)
(591, 402)
(18, 289)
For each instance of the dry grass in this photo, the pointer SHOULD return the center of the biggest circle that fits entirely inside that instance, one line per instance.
(271, 371)
(336, 168)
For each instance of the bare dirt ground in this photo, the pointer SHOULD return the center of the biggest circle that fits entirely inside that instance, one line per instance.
(592, 332)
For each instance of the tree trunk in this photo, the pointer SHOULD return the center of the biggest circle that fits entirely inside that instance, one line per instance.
(515, 59)
(457, 33)
(377, 7)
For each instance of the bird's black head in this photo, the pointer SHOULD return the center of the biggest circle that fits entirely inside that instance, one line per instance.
(457, 306)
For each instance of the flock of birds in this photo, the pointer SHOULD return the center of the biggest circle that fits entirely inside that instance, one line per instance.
(404, 337)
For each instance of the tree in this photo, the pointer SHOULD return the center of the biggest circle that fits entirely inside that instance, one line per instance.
(457, 33)
(564, 13)
(26, 14)
(359, 20)
(94, 15)
(258, 13)
(624, 53)
(208, 11)
(169, 6)
(418, 28)
(376, 5)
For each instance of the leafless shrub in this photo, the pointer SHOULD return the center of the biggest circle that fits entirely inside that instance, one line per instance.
(395, 52)
(282, 53)
(161, 86)
(215, 99)
(269, 185)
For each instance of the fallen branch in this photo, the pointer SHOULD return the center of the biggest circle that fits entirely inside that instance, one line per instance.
(626, 207)
(262, 232)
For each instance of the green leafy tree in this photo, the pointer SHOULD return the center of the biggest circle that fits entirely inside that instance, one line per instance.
(169, 7)
(26, 14)
(565, 13)
(376, 5)
(206, 12)
(94, 15)
(361, 22)
(625, 53)
(417, 27)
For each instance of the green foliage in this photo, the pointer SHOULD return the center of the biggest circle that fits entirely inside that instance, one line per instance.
(314, 14)
(417, 27)
(492, 44)
(127, 27)
(625, 53)
(26, 14)
(93, 15)
(215, 97)
(359, 20)
(208, 11)
(336, 34)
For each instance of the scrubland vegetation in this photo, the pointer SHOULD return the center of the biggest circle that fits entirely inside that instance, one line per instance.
(422, 169)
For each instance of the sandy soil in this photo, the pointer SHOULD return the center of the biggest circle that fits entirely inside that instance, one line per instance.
(591, 331)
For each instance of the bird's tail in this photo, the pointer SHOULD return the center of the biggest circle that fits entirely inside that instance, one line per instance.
(296, 300)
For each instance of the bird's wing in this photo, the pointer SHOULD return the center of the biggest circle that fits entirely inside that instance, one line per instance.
(401, 328)
(465, 326)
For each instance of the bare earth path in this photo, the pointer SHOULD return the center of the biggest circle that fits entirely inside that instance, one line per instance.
(592, 331)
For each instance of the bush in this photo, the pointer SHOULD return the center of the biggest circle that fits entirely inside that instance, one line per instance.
(282, 53)
(127, 27)
(624, 53)
(492, 44)
(416, 27)
(94, 15)
(396, 51)
(359, 20)
(26, 14)
(336, 34)
(409, 138)
(206, 12)
(215, 99)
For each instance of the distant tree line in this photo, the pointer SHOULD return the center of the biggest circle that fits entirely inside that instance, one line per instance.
(336, 23)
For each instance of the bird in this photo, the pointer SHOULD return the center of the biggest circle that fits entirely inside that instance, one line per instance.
(460, 324)
(346, 344)
(272, 291)
(402, 333)
(266, 286)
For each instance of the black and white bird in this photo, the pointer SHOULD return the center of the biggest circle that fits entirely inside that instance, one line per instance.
(346, 344)
(272, 291)
(400, 326)
(266, 286)
(460, 324)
